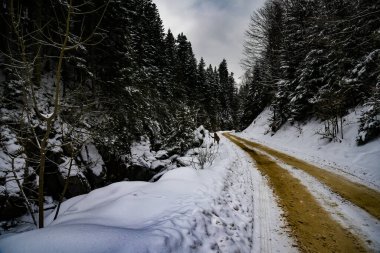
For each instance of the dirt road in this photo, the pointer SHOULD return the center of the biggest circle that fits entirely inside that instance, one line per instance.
(312, 226)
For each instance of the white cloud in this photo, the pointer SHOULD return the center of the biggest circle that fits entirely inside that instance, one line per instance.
(214, 27)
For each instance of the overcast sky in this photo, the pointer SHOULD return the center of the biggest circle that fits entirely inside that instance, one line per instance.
(214, 27)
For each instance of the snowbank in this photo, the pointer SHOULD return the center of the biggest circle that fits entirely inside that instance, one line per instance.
(360, 163)
(125, 216)
(226, 207)
(132, 216)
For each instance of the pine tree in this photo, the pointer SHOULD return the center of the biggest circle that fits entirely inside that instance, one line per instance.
(317, 58)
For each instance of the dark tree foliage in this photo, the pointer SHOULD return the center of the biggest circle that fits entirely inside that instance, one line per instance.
(254, 97)
(124, 79)
(128, 80)
(317, 58)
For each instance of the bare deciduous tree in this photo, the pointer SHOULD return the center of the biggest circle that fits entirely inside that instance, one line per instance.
(24, 63)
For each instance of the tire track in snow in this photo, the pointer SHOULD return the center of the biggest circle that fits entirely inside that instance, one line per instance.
(362, 196)
(243, 218)
(313, 227)
(268, 227)
(350, 216)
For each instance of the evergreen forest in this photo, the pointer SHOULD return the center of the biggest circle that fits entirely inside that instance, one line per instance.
(97, 75)
(314, 58)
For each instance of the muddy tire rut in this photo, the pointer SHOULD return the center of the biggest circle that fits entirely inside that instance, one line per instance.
(310, 224)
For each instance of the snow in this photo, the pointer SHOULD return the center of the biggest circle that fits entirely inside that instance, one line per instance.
(161, 154)
(11, 149)
(141, 153)
(11, 186)
(93, 159)
(350, 216)
(47, 116)
(185, 160)
(10, 141)
(69, 164)
(269, 234)
(131, 89)
(226, 207)
(55, 144)
(359, 163)
(200, 134)
(158, 164)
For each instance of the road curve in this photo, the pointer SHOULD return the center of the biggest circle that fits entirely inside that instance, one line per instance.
(311, 225)
(358, 194)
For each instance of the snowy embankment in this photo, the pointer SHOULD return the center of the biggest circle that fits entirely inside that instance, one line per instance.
(359, 163)
(227, 207)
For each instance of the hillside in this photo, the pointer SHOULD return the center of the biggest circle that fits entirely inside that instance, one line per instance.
(318, 59)
(361, 163)
(116, 135)
(80, 92)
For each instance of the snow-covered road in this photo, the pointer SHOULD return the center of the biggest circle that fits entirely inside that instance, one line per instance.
(249, 194)
(329, 195)
(231, 206)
